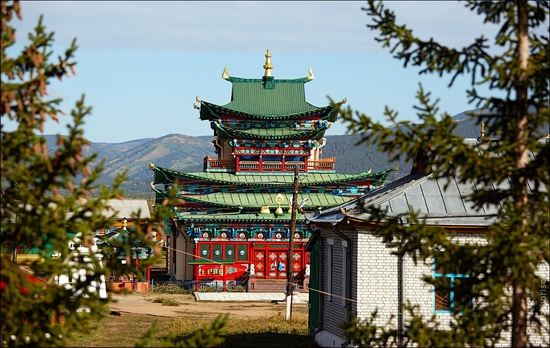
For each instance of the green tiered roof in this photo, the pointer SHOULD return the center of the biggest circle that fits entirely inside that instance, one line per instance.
(168, 176)
(257, 200)
(271, 133)
(251, 96)
(211, 112)
(261, 111)
(267, 98)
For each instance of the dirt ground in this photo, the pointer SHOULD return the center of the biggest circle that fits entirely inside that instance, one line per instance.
(142, 303)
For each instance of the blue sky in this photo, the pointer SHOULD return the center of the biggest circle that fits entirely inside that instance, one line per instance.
(141, 64)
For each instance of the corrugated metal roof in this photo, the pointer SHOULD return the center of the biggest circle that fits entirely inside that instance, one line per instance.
(128, 208)
(441, 204)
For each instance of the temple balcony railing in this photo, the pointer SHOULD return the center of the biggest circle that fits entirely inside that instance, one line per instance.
(327, 164)
(213, 164)
(217, 165)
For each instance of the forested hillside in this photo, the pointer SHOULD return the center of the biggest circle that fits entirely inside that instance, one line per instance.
(186, 153)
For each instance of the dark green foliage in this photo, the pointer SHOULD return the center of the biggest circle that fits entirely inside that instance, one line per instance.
(510, 169)
(48, 193)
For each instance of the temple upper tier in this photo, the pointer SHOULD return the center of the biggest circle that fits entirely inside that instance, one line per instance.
(268, 126)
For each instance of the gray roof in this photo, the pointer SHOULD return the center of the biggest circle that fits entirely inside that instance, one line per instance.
(128, 208)
(437, 203)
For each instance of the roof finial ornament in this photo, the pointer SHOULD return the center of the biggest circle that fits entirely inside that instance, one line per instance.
(310, 75)
(268, 66)
(225, 74)
(482, 129)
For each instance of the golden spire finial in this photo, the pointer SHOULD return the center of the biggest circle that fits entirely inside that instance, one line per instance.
(268, 66)
(310, 75)
(225, 73)
(482, 129)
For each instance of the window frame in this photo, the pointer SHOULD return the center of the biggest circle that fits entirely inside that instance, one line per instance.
(451, 277)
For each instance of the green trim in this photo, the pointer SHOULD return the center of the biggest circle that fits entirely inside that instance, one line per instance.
(300, 80)
(228, 132)
(241, 218)
(210, 262)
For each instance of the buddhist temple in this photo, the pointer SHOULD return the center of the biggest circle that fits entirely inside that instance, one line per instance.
(234, 224)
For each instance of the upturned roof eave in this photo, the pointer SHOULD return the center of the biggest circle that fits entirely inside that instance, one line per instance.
(240, 201)
(162, 178)
(208, 112)
(228, 132)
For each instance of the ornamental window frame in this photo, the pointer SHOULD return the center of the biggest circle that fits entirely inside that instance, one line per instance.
(437, 273)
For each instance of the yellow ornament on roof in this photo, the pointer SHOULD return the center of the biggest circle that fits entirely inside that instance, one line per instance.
(268, 66)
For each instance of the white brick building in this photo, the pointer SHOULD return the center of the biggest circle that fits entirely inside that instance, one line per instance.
(357, 272)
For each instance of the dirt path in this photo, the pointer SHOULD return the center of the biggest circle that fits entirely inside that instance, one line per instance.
(142, 303)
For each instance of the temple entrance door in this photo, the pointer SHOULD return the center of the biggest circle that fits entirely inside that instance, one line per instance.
(259, 263)
(276, 263)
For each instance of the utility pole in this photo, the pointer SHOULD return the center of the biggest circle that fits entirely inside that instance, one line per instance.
(290, 283)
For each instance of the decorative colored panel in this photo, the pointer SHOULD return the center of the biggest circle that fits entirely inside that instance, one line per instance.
(217, 252)
(205, 251)
(230, 252)
(242, 252)
(278, 246)
(259, 262)
(296, 262)
(277, 264)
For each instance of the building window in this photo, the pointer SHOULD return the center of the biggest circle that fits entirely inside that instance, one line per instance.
(330, 267)
(451, 290)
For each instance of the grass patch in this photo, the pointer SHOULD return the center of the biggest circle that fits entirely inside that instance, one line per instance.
(272, 331)
(166, 301)
(114, 331)
(269, 331)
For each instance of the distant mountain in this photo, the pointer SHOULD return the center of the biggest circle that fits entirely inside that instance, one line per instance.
(352, 158)
(175, 151)
(186, 153)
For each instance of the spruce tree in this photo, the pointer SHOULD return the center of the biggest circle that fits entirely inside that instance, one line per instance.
(48, 194)
(506, 291)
